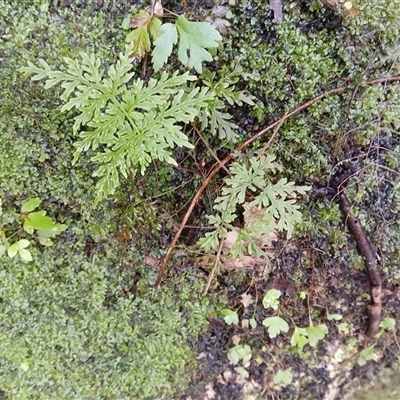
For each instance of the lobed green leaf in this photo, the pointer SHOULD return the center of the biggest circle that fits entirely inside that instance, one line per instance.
(163, 45)
(194, 39)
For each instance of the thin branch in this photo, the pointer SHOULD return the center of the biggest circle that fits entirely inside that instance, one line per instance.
(153, 6)
(212, 152)
(369, 255)
(216, 262)
(263, 150)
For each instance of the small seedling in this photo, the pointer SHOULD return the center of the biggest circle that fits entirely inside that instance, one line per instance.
(34, 223)
(283, 377)
(230, 317)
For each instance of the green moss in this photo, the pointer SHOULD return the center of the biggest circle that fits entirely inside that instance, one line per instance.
(69, 331)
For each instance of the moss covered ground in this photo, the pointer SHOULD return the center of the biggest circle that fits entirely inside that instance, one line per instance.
(81, 321)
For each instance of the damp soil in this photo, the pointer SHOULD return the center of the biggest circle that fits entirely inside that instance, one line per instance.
(330, 370)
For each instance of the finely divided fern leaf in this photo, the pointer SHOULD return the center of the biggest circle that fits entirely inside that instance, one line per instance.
(132, 123)
(214, 118)
(270, 206)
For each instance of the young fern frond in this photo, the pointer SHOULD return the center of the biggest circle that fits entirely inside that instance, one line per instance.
(269, 209)
(133, 123)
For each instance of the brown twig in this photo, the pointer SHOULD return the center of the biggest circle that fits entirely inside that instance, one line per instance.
(368, 252)
(225, 161)
(372, 58)
(212, 152)
(216, 262)
(263, 150)
(153, 6)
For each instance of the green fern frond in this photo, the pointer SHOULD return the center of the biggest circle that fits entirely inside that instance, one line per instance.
(131, 122)
(272, 206)
(215, 119)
